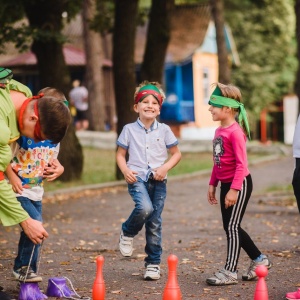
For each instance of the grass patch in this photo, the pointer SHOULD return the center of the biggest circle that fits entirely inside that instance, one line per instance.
(280, 188)
(100, 167)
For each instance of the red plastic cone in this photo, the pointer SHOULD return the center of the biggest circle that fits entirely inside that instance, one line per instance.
(99, 284)
(172, 290)
(261, 290)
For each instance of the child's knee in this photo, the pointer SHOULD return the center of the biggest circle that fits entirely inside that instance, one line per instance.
(147, 210)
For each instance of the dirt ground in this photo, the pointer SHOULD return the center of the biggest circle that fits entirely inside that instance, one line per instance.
(86, 223)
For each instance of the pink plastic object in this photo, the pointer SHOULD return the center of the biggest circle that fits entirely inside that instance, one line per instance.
(293, 295)
(261, 291)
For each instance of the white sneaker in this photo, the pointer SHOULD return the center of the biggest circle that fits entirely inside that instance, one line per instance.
(125, 245)
(223, 277)
(152, 272)
(26, 274)
(250, 274)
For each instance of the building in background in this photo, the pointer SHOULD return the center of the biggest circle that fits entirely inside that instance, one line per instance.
(191, 67)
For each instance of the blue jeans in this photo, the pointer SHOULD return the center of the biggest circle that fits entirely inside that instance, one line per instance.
(149, 198)
(34, 209)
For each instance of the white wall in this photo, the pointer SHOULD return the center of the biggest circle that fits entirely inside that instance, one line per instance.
(290, 115)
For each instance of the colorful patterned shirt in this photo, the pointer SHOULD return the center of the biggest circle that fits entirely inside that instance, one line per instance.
(29, 162)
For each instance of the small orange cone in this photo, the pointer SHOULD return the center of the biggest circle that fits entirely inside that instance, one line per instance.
(172, 290)
(99, 284)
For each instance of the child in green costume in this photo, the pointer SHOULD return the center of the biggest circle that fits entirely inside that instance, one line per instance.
(21, 114)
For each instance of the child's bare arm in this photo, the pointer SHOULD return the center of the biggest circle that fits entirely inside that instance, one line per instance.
(211, 195)
(231, 198)
(53, 170)
(129, 175)
(161, 172)
(14, 180)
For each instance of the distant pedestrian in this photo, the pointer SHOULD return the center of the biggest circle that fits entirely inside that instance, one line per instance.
(79, 99)
(296, 155)
(231, 169)
(147, 142)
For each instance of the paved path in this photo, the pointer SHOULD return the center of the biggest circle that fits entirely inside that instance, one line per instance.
(87, 223)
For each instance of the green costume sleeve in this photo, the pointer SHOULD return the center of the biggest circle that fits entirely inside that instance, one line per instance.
(18, 86)
(11, 211)
(5, 151)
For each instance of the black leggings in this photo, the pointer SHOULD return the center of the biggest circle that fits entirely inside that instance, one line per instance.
(237, 237)
(296, 182)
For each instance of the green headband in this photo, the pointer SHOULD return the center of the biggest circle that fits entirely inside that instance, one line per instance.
(149, 87)
(217, 100)
(5, 75)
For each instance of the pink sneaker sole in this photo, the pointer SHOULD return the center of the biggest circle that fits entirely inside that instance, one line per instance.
(293, 295)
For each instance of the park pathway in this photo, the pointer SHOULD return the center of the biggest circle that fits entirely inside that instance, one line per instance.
(85, 224)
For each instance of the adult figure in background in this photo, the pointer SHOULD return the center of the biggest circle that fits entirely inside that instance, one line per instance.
(296, 155)
(296, 186)
(79, 98)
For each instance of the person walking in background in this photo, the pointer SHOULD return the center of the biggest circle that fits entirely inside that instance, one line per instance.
(32, 163)
(79, 99)
(296, 186)
(146, 142)
(296, 155)
(231, 169)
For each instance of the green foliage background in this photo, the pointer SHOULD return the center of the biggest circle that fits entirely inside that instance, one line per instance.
(263, 30)
(264, 33)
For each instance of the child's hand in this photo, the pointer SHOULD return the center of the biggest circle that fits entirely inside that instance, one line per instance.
(129, 176)
(231, 198)
(16, 184)
(160, 173)
(211, 195)
(54, 170)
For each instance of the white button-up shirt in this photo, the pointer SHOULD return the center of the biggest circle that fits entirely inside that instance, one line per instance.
(147, 149)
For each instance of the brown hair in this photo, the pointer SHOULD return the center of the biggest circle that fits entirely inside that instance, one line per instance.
(230, 91)
(55, 116)
(53, 92)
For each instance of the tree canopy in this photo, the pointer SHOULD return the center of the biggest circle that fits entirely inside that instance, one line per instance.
(264, 32)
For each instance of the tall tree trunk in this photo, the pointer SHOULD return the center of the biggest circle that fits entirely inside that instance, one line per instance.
(297, 83)
(218, 16)
(94, 63)
(158, 37)
(54, 72)
(123, 62)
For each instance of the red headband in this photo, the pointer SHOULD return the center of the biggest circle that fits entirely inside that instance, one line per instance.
(141, 95)
(37, 128)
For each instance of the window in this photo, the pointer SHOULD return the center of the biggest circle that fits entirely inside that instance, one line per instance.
(206, 85)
